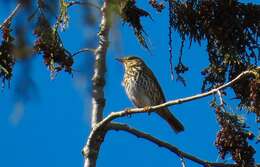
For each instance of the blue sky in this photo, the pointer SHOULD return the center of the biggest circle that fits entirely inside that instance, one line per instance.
(52, 127)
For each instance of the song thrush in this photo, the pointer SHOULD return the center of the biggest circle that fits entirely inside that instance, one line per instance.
(143, 89)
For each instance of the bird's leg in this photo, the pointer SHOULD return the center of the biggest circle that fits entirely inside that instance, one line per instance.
(147, 109)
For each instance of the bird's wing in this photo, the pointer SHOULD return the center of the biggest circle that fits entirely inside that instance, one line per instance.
(156, 85)
(165, 113)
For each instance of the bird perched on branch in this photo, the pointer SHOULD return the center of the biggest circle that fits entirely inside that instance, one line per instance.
(143, 89)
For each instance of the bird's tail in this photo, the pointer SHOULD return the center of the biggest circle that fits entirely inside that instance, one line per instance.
(175, 124)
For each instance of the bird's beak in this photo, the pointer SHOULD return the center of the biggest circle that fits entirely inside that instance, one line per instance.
(121, 60)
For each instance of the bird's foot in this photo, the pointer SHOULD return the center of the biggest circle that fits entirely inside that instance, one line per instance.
(147, 109)
(128, 113)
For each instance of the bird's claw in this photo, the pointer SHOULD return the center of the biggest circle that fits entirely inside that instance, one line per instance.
(147, 109)
(128, 113)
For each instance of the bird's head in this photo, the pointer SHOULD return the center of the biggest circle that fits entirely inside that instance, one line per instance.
(131, 61)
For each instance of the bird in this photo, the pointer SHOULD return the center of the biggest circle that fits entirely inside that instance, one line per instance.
(143, 89)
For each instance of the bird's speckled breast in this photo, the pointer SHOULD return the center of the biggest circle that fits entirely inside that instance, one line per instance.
(135, 89)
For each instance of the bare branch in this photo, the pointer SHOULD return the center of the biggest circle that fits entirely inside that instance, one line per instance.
(11, 16)
(98, 100)
(71, 3)
(170, 38)
(91, 149)
(183, 163)
(83, 50)
(126, 112)
(96, 137)
(160, 143)
(220, 98)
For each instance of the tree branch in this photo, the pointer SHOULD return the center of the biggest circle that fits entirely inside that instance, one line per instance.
(11, 16)
(98, 100)
(126, 112)
(160, 143)
(99, 129)
(96, 137)
(91, 149)
(221, 101)
(83, 50)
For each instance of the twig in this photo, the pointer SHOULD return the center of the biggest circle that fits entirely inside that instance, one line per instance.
(71, 3)
(11, 16)
(183, 163)
(220, 98)
(160, 143)
(83, 50)
(3, 69)
(170, 39)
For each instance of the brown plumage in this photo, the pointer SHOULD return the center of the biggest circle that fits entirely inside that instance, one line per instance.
(143, 89)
